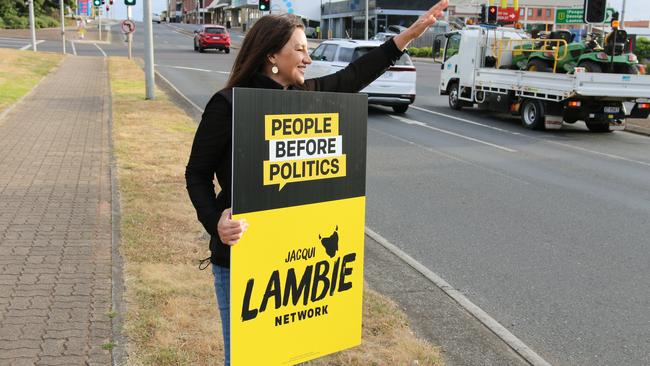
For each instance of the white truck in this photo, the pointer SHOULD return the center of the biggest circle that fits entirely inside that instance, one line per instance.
(476, 69)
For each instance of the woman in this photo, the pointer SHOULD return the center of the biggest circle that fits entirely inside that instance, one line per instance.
(273, 56)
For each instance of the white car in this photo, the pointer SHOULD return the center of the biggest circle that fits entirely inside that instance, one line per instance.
(394, 88)
(155, 18)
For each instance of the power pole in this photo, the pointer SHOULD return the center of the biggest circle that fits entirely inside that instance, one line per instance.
(366, 20)
(62, 25)
(623, 15)
(148, 50)
(32, 25)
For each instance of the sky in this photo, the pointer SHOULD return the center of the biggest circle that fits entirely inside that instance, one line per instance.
(634, 9)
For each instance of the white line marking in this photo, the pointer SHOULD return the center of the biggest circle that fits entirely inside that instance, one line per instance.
(100, 49)
(30, 45)
(510, 339)
(74, 49)
(611, 156)
(179, 92)
(194, 69)
(421, 124)
(464, 120)
(452, 157)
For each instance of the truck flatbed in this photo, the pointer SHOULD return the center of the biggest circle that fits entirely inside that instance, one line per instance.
(558, 87)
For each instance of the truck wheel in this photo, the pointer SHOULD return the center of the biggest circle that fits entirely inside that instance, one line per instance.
(591, 66)
(537, 65)
(454, 92)
(401, 109)
(595, 126)
(227, 50)
(532, 114)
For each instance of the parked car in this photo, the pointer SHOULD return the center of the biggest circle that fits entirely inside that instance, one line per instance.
(155, 18)
(383, 36)
(395, 88)
(212, 36)
(396, 28)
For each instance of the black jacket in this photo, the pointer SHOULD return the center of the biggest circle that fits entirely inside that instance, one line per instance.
(212, 147)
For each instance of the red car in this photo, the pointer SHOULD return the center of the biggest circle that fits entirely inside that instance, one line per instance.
(211, 36)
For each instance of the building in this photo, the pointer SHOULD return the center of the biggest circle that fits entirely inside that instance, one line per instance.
(345, 19)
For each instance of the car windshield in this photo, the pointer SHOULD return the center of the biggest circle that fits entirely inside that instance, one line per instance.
(405, 60)
(215, 30)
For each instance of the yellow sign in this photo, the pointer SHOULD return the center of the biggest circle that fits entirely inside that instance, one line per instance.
(297, 273)
(303, 147)
(302, 298)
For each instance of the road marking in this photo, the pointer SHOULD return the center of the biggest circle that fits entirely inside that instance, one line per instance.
(611, 156)
(179, 92)
(30, 45)
(421, 124)
(74, 49)
(194, 69)
(510, 339)
(452, 157)
(464, 120)
(100, 49)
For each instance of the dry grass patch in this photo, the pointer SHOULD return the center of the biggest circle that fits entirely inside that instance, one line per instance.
(20, 71)
(172, 315)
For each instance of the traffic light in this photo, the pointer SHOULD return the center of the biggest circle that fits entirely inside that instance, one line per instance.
(481, 16)
(97, 3)
(492, 15)
(265, 5)
(129, 2)
(595, 11)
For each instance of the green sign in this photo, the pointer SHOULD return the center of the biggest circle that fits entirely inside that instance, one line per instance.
(577, 15)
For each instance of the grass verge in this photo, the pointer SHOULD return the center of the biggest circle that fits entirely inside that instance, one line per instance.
(172, 317)
(20, 71)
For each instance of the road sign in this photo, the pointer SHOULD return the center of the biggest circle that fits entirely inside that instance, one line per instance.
(128, 26)
(508, 15)
(577, 15)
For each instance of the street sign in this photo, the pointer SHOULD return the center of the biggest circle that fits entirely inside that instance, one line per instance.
(299, 178)
(577, 15)
(508, 15)
(128, 26)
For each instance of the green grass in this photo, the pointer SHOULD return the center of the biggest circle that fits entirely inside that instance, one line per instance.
(21, 71)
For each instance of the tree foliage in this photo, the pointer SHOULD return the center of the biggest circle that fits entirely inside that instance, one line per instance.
(642, 49)
(14, 13)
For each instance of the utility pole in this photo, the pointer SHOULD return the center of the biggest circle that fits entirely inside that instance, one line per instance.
(129, 37)
(99, 15)
(32, 25)
(623, 15)
(62, 25)
(366, 20)
(148, 50)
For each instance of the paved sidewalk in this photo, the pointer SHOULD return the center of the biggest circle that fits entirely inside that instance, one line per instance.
(55, 221)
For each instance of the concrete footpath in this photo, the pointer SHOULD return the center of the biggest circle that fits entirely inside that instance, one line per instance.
(55, 221)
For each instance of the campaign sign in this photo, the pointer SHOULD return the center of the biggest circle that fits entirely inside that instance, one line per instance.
(299, 168)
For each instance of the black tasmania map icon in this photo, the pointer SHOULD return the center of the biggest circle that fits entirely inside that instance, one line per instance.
(331, 243)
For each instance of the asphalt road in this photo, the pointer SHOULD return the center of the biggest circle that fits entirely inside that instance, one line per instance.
(545, 231)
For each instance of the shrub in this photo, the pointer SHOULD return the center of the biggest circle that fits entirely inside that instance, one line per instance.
(16, 22)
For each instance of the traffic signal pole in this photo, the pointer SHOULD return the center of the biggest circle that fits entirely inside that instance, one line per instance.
(99, 16)
(129, 14)
(148, 50)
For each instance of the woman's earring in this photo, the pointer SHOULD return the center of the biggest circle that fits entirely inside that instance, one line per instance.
(274, 69)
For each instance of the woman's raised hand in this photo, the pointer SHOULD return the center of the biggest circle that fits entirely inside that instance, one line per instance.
(230, 231)
(420, 26)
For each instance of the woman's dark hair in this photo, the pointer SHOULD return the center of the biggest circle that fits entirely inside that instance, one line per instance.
(269, 34)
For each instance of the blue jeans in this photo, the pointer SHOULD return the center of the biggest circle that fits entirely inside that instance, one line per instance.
(222, 289)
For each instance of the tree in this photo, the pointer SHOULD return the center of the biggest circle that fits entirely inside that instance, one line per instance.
(642, 49)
